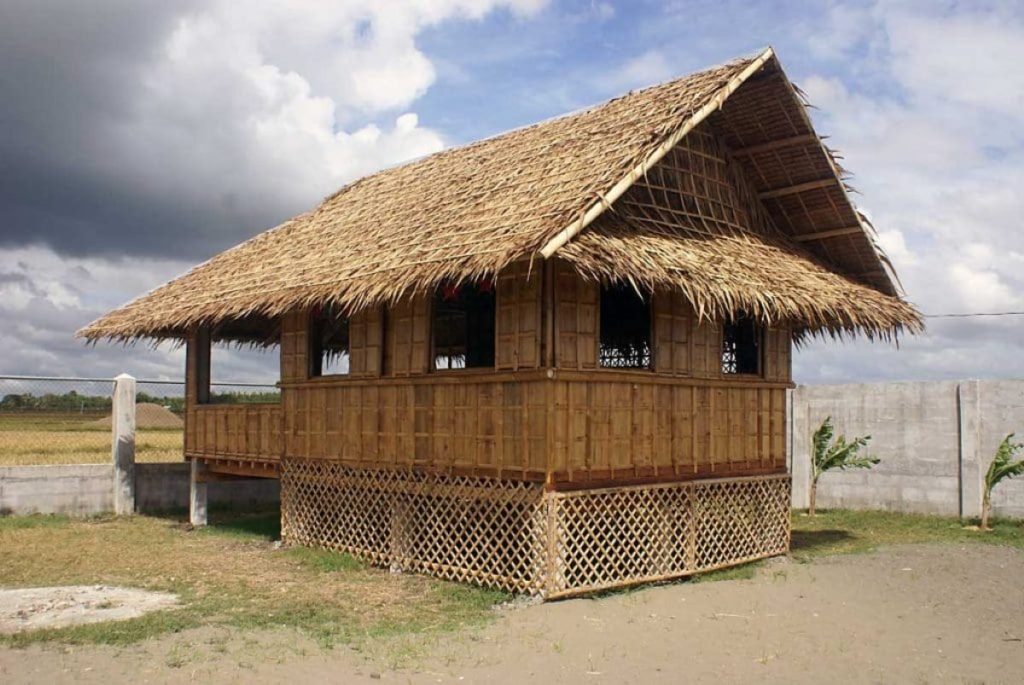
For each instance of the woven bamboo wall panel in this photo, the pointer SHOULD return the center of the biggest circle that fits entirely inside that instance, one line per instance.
(778, 355)
(514, 536)
(295, 346)
(366, 330)
(673, 319)
(576, 319)
(407, 337)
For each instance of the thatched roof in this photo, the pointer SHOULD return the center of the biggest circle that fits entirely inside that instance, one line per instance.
(535, 192)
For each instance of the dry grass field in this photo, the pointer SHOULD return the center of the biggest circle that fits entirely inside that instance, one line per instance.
(228, 575)
(51, 438)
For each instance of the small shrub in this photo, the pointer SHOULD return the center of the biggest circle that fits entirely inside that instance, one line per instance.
(1002, 466)
(835, 453)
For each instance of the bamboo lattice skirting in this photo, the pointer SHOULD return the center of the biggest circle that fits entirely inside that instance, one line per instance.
(514, 536)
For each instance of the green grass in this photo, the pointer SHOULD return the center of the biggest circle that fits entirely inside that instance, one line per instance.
(741, 572)
(324, 560)
(34, 521)
(850, 532)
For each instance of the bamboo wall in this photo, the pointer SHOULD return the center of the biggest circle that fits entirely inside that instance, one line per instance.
(657, 428)
(571, 423)
(481, 424)
(234, 431)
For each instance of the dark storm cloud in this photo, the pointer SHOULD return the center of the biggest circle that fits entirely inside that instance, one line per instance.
(73, 71)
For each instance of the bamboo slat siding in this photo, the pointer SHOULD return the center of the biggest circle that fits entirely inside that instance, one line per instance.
(294, 347)
(576, 317)
(622, 430)
(407, 338)
(518, 321)
(366, 342)
(474, 425)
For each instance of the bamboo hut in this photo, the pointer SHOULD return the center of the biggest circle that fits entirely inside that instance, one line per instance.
(552, 361)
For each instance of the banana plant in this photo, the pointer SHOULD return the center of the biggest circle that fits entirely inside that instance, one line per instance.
(1003, 466)
(836, 453)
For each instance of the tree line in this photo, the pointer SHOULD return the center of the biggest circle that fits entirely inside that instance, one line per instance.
(73, 401)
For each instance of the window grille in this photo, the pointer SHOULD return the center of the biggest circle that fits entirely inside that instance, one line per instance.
(741, 346)
(463, 326)
(328, 342)
(625, 329)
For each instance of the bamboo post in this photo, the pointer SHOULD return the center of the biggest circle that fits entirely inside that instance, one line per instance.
(399, 532)
(551, 583)
(690, 553)
(122, 421)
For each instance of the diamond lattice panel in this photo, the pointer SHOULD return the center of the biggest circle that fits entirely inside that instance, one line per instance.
(514, 536)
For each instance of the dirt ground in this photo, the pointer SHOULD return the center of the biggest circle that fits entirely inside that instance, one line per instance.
(917, 613)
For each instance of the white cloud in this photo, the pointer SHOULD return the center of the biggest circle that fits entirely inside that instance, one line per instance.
(643, 70)
(253, 100)
(47, 297)
(255, 109)
(942, 156)
(967, 57)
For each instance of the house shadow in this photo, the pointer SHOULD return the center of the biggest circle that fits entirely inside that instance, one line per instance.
(812, 540)
(243, 522)
(259, 524)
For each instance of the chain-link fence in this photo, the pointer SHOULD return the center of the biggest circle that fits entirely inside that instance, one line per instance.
(67, 420)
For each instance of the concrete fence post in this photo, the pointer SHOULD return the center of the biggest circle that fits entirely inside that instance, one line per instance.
(122, 420)
(799, 431)
(197, 494)
(972, 470)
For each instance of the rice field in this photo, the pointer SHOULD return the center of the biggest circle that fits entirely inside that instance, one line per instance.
(77, 438)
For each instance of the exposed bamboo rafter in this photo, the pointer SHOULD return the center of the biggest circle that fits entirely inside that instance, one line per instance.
(832, 233)
(797, 188)
(775, 145)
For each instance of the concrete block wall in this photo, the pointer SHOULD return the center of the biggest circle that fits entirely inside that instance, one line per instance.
(88, 489)
(77, 490)
(935, 440)
(1001, 411)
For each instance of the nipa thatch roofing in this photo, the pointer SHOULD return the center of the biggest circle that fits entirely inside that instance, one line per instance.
(536, 192)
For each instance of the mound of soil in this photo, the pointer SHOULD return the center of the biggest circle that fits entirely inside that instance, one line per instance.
(57, 607)
(150, 415)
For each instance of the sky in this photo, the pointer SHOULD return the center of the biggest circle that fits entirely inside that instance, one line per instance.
(140, 137)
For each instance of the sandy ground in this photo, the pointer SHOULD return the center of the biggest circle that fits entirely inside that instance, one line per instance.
(914, 614)
(56, 607)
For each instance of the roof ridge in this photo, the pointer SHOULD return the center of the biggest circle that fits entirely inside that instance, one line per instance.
(586, 109)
